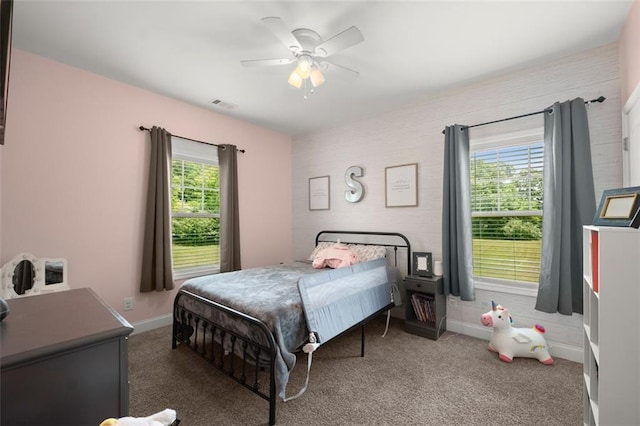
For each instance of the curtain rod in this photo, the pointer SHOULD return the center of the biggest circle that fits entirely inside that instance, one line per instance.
(598, 100)
(189, 139)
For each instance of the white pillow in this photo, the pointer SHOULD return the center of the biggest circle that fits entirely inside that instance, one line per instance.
(362, 251)
(366, 253)
(321, 246)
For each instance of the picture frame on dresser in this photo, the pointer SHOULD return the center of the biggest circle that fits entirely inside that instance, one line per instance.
(619, 207)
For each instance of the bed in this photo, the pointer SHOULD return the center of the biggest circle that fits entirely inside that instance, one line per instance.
(251, 323)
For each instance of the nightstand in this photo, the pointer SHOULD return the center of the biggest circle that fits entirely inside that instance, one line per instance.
(425, 306)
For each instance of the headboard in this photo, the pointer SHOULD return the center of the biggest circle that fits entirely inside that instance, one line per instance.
(393, 240)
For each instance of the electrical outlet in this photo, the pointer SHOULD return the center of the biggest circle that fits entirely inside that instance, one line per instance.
(128, 303)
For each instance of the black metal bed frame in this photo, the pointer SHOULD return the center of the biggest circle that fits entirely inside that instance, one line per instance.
(406, 245)
(222, 346)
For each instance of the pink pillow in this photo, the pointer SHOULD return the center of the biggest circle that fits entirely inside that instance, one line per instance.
(321, 246)
(337, 256)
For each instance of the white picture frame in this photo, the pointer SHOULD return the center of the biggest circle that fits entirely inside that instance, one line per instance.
(401, 185)
(319, 191)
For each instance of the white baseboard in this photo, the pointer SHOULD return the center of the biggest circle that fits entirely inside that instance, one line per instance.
(152, 323)
(556, 349)
(559, 350)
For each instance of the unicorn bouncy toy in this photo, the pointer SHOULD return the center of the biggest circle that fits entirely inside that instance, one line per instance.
(510, 342)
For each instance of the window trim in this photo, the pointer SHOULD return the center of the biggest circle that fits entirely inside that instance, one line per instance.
(522, 288)
(504, 140)
(498, 141)
(183, 149)
(186, 150)
(196, 271)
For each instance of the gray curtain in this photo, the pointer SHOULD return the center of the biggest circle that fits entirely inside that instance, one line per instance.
(569, 203)
(157, 271)
(457, 254)
(229, 217)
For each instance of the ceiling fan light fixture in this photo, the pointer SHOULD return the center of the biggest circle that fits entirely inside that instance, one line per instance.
(316, 77)
(295, 80)
(304, 66)
(308, 52)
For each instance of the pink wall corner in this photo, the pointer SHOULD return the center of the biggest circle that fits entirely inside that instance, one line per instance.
(74, 171)
(629, 53)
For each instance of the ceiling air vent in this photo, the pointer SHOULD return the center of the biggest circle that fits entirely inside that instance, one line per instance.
(223, 104)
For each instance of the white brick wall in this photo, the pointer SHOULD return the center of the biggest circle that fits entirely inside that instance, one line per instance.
(413, 134)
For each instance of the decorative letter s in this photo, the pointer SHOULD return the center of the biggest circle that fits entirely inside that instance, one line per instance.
(356, 193)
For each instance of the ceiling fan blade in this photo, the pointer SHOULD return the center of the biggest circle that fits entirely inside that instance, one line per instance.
(266, 62)
(339, 71)
(347, 38)
(280, 30)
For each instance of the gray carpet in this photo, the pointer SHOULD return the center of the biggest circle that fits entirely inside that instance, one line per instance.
(402, 380)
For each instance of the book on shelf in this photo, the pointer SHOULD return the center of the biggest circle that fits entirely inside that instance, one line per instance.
(423, 307)
(416, 307)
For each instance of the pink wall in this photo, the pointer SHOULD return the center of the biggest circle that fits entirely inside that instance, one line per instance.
(74, 172)
(628, 45)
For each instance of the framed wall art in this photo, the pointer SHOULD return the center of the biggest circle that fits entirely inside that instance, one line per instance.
(619, 207)
(319, 193)
(401, 185)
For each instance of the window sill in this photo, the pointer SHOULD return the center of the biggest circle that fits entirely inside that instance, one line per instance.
(530, 290)
(183, 275)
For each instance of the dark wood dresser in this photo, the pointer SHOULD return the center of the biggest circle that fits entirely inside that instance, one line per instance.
(63, 360)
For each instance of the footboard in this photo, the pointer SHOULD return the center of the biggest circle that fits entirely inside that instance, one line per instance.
(248, 361)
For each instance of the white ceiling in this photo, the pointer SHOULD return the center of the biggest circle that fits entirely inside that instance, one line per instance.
(191, 50)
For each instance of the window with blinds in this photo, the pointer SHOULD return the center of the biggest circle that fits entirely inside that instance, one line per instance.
(195, 209)
(506, 203)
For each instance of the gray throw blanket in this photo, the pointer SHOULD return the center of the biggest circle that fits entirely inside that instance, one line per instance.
(269, 294)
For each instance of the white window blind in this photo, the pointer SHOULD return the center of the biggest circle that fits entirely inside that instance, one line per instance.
(506, 202)
(195, 208)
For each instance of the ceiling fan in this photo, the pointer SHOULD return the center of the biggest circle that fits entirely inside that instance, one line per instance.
(310, 53)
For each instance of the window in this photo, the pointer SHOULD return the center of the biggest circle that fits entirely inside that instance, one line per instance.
(506, 205)
(195, 208)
